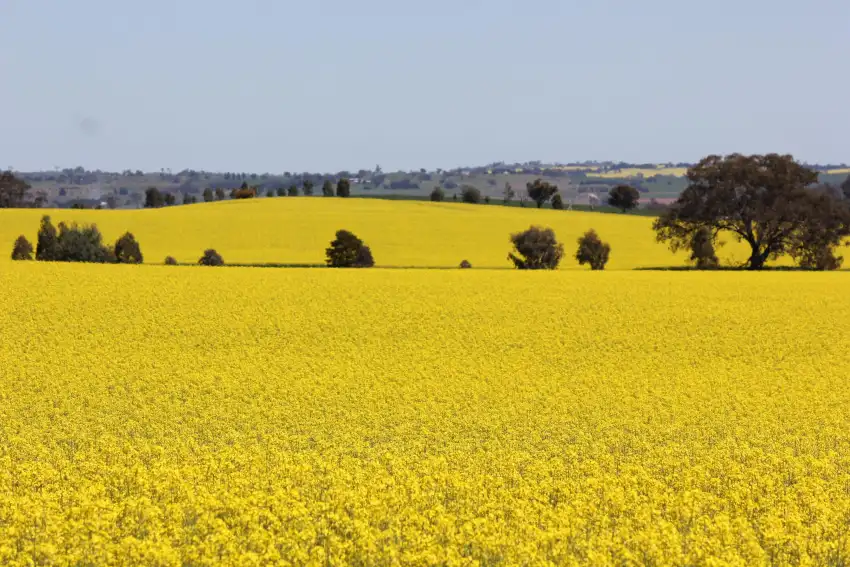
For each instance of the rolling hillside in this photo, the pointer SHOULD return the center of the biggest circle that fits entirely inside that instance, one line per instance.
(400, 233)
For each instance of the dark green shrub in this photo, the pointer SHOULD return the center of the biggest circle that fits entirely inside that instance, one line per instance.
(82, 244)
(211, 258)
(343, 188)
(465, 265)
(22, 250)
(591, 250)
(470, 194)
(348, 251)
(557, 202)
(438, 195)
(170, 261)
(47, 245)
(127, 250)
(536, 249)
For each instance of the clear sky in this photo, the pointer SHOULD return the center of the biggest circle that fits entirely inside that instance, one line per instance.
(328, 85)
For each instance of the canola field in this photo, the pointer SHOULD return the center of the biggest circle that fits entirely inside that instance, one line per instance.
(171, 416)
(401, 233)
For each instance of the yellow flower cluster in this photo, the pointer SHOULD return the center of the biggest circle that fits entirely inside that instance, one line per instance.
(225, 416)
(400, 233)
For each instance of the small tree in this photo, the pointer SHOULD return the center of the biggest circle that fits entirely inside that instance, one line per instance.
(270, 193)
(327, 188)
(307, 187)
(169, 199)
(536, 249)
(219, 194)
(343, 188)
(438, 194)
(540, 191)
(82, 244)
(470, 194)
(508, 194)
(13, 191)
(702, 249)
(557, 202)
(153, 198)
(127, 250)
(211, 258)
(281, 191)
(170, 261)
(293, 190)
(208, 195)
(47, 245)
(22, 250)
(623, 197)
(591, 250)
(348, 251)
(465, 265)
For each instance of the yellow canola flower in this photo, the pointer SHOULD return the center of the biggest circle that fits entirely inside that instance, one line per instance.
(233, 416)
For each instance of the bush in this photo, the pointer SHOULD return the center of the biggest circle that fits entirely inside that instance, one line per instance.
(270, 193)
(170, 261)
(211, 258)
(591, 250)
(127, 250)
(465, 265)
(22, 250)
(438, 195)
(348, 251)
(82, 244)
(343, 188)
(536, 249)
(327, 189)
(470, 194)
(47, 245)
(702, 249)
(219, 194)
(208, 195)
(281, 192)
(292, 191)
(557, 202)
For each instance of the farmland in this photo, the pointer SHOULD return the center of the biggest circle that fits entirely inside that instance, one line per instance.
(401, 233)
(172, 416)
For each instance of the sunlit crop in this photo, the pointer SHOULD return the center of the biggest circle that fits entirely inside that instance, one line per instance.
(247, 416)
(400, 233)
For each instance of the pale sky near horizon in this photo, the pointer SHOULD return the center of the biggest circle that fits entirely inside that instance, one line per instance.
(274, 85)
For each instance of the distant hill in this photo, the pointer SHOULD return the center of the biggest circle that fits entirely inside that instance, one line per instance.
(662, 182)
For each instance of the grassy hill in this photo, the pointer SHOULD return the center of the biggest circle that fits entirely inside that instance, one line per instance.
(401, 233)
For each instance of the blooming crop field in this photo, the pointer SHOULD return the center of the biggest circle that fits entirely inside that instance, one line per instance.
(197, 416)
(400, 233)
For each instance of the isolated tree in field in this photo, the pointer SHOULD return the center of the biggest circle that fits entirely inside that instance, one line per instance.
(623, 197)
(211, 258)
(536, 249)
(540, 191)
(47, 244)
(438, 194)
(557, 202)
(470, 194)
(465, 265)
(761, 199)
(343, 188)
(127, 250)
(22, 249)
(293, 190)
(153, 198)
(13, 191)
(591, 250)
(702, 250)
(348, 251)
(307, 187)
(327, 188)
(82, 243)
(208, 195)
(170, 261)
(508, 193)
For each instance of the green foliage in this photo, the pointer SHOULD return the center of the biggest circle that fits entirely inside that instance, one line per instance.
(154, 198)
(170, 261)
(293, 190)
(348, 251)
(82, 243)
(127, 250)
(702, 249)
(219, 194)
(211, 258)
(327, 188)
(541, 191)
(623, 197)
(47, 244)
(591, 250)
(22, 249)
(13, 191)
(465, 265)
(208, 195)
(438, 195)
(281, 191)
(470, 194)
(557, 202)
(343, 188)
(536, 249)
(307, 187)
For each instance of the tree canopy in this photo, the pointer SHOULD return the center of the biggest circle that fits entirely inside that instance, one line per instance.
(624, 197)
(13, 191)
(762, 200)
(540, 191)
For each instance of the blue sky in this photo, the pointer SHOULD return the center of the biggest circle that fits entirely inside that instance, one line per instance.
(273, 85)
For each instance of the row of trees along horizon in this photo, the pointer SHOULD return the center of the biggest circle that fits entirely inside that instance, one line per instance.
(771, 202)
